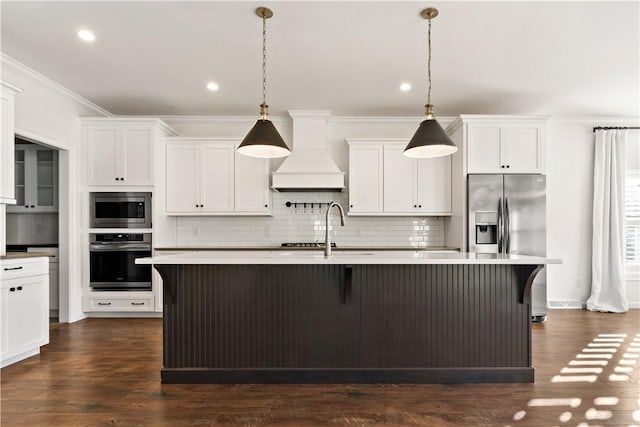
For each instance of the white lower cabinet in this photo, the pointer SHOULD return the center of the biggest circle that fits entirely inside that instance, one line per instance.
(120, 302)
(383, 181)
(24, 308)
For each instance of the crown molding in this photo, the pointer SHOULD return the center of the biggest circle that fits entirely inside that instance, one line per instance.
(6, 59)
(217, 119)
(150, 120)
(593, 120)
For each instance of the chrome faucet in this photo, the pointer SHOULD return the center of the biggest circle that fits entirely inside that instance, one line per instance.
(327, 243)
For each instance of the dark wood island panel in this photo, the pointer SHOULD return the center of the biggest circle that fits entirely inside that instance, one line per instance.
(332, 323)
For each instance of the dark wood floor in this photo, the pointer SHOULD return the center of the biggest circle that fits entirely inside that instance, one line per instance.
(107, 372)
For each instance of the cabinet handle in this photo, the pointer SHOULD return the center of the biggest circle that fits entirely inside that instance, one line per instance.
(12, 289)
(104, 303)
(137, 303)
(13, 268)
(19, 288)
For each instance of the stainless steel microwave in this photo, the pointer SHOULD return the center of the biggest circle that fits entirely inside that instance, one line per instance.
(120, 210)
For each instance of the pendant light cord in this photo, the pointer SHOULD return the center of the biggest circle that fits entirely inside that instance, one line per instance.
(429, 64)
(263, 108)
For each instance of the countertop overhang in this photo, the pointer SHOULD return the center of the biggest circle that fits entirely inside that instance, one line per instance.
(344, 257)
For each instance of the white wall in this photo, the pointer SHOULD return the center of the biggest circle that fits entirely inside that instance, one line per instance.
(49, 113)
(570, 147)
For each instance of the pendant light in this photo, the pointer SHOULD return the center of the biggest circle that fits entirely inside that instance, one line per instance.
(263, 140)
(430, 140)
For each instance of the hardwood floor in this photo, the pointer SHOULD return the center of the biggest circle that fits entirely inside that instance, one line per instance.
(107, 372)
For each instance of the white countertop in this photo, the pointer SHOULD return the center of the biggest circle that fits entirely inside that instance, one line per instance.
(346, 257)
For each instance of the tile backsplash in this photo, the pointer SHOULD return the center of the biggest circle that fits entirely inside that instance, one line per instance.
(304, 221)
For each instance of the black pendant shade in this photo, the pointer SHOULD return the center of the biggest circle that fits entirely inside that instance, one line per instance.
(263, 140)
(430, 140)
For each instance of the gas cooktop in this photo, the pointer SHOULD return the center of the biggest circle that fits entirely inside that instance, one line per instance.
(305, 245)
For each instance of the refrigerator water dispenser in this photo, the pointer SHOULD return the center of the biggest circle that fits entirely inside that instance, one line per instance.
(486, 228)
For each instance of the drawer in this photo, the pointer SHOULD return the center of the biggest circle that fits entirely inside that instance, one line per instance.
(23, 267)
(120, 304)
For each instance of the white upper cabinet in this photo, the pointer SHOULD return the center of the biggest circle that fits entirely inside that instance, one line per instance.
(505, 146)
(120, 152)
(251, 189)
(383, 181)
(36, 179)
(365, 177)
(7, 135)
(208, 177)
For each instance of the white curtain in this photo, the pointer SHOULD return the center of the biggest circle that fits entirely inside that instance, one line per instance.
(607, 262)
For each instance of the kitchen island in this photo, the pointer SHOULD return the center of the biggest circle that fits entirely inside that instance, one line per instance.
(355, 317)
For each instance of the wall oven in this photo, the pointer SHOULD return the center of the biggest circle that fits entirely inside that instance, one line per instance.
(120, 210)
(112, 262)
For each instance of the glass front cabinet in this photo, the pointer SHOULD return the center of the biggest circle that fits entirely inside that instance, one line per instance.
(36, 179)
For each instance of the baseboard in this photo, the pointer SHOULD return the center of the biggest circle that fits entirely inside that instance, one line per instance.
(575, 304)
(112, 314)
(566, 304)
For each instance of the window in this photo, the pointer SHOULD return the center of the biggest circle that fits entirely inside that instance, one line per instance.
(632, 206)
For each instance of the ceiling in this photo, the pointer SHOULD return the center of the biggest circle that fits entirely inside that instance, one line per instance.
(155, 58)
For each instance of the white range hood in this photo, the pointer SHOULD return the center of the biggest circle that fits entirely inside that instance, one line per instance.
(309, 167)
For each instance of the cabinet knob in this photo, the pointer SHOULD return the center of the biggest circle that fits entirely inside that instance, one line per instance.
(415, 206)
(26, 206)
(419, 206)
(19, 288)
(350, 206)
(266, 206)
(502, 166)
(508, 166)
(33, 206)
(121, 179)
(117, 179)
(12, 289)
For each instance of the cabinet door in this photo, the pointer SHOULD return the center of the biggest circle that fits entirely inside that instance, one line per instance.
(366, 178)
(45, 190)
(525, 149)
(7, 189)
(251, 190)
(183, 169)
(54, 275)
(137, 156)
(20, 169)
(6, 346)
(217, 173)
(434, 185)
(399, 180)
(485, 148)
(104, 152)
(29, 312)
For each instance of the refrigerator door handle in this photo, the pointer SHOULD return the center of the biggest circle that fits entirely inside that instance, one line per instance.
(500, 225)
(506, 225)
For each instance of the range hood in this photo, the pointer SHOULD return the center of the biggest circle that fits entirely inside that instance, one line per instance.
(309, 167)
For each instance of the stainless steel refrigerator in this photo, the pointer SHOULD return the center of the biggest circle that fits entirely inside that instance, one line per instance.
(507, 214)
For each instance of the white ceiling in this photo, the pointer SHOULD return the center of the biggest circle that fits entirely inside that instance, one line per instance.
(154, 58)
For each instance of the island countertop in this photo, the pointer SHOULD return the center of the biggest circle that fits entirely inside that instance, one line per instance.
(346, 257)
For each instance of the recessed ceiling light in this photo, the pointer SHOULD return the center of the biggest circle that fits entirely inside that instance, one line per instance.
(86, 35)
(213, 86)
(405, 87)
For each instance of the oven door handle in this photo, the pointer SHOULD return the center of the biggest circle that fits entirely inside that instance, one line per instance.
(110, 247)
